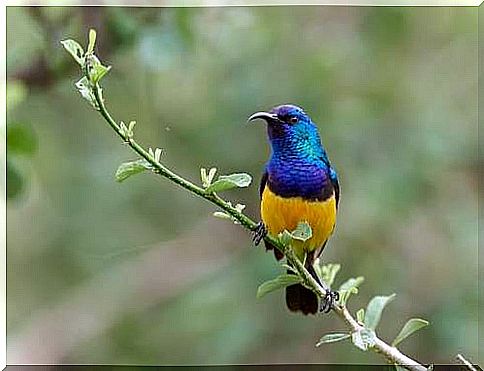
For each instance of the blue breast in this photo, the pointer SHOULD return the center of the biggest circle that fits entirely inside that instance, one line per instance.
(299, 178)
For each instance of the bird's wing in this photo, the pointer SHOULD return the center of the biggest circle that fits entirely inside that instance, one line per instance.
(263, 182)
(334, 181)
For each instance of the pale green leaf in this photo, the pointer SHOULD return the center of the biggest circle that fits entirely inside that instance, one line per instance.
(348, 288)
(409, 328)
(239, 207)
(222, 215)
(277, 283)
(400, 368)
(98, 72)
(332, 338)
(363, 339)
(285, 237)
(374, 310)
(128, 169)
(211, 174)
(360, 315)
(92, 40)
(84, 87)
(329, 272)
(203, 177)
(226, 182)
(75, 50)
(302, 232)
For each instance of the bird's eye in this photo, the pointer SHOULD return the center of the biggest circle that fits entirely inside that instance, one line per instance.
(293, 119)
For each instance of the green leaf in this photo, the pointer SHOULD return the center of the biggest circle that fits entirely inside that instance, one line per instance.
(329, 272)
(277, 283)
(409, 328)
(92, 40)
(128, 169)
(400, 368)
(75, 50)
(211, 175)
(84, 87)
(285, 237)
(363, 339)
(360, 315)
(94, 68)
(348, 288)
(226, 182)
(332, 338)
(302, 232)
(98, 72)
(374, 310)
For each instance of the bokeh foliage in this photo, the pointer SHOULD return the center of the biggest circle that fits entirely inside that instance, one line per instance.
(394, 92)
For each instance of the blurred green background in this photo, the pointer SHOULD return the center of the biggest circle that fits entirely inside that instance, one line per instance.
(141, 273)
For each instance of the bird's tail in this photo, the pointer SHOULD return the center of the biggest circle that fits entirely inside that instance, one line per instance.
(300, 298)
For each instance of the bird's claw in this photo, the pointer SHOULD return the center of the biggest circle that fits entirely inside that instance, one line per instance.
(328, 302)
(260, 232)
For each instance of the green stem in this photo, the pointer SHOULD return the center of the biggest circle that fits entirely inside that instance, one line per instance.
(392, 354)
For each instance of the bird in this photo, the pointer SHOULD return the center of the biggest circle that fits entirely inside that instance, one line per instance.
(298, 184)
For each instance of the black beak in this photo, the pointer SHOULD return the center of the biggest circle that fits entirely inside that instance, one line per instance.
(264, 116)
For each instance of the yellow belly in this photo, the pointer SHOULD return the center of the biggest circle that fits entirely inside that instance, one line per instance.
(279, 213)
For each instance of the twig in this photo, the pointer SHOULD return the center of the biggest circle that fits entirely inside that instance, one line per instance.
(466, 363)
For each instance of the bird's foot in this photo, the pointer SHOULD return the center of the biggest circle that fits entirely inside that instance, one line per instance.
(328, 302)
(260, 232)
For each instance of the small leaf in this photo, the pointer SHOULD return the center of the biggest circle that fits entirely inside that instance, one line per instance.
(158, 152)
(84, 87)
(92, 40)
(131, 127)
(360, 315)
(292, 269)
(285, 238)
(348, 288)
(409, 328)
(226, 182)
(329, 272)
(222, 215)
(374, 310)
(99, 72)
(332, 338)
(363, 339)
(128, 169)
(239, 207)
(94, 68)
(211, 174)
(302, 232)
(75, 50)
(277, 283)
(203, 177)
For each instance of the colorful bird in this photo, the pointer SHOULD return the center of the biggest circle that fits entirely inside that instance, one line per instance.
(298, 185)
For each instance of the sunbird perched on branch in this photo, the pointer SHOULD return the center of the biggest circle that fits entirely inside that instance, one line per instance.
(298, 185)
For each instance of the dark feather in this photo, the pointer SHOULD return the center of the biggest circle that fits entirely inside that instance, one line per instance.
(300, 298)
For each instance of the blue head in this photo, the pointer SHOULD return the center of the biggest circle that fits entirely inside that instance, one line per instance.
(298, 165)
(291, 132)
